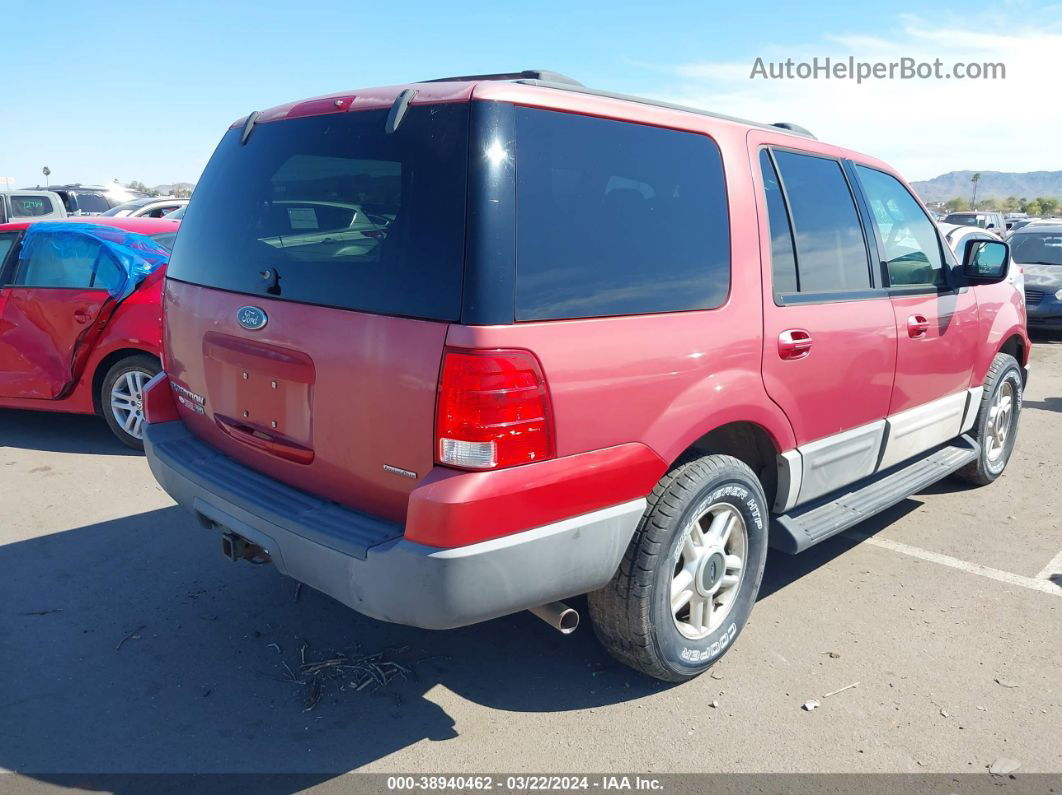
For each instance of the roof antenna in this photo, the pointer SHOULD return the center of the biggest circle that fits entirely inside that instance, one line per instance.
(248, 126)
(398, 110)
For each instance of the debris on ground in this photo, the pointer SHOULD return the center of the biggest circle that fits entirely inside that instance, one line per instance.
(716, 675)
(714, 705)
(841, 690)
(807, 706)
(42, 612)
(134, 635)
(1004, 766)
(833, 655)
(275, 646)
(1007, 683)
(347, 672)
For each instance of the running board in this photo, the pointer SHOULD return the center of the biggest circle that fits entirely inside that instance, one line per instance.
(809, 524)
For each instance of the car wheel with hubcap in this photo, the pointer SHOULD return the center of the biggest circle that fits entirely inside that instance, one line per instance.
(121, 398)
(996, 426)
(691, 573)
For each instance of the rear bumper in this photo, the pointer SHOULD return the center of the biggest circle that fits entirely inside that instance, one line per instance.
(367, 563)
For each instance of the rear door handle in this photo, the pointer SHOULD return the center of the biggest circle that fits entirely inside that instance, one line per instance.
(794, 343)
(917, 326)
(82, 317)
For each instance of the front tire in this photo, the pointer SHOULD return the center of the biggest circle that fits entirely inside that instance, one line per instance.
(121, 397)
(691, 573)
(996, 426)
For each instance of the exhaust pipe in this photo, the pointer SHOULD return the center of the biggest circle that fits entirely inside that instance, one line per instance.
(558, 615)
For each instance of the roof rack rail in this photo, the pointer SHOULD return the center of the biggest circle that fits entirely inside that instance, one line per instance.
(526, 74)
(788, 125)
(578, 87)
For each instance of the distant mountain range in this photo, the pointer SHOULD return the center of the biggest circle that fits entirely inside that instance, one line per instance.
(166, 190)
(993, 184)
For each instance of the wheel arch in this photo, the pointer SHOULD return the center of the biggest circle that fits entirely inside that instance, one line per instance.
(749, 442)
(106, 363)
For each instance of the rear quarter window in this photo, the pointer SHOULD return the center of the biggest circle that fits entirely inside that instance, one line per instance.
(615, 218)
(31, 206)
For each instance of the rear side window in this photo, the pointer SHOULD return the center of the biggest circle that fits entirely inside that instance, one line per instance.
(336, 211)
(616, 218)
(831, 252)
(7, 240)
(783, 261)
(70, 262)
(909, 238)
(31, 206)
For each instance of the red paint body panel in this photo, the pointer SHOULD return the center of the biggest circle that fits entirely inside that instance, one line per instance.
(41, 330)
(454, 508)
(371, 400)
(940, 361)
(35, 357)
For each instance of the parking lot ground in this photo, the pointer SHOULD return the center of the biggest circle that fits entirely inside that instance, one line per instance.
(129, 644)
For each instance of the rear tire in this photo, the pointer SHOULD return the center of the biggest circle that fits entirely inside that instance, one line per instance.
(121, 398)
(691, 573)
(996, 426)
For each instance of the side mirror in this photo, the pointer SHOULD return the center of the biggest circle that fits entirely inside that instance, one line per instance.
(985, 261)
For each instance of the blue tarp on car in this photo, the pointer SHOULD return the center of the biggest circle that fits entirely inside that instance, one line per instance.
(132, 257)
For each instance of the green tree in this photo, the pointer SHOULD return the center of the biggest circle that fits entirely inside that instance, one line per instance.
(956, 205)
(1048, 204)
(1033, 207)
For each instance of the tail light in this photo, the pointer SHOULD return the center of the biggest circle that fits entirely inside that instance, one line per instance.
(493, 411)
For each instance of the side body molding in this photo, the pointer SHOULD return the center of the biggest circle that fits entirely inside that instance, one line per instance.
(833, 462)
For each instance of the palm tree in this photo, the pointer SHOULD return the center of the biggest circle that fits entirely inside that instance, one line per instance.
(975, 179)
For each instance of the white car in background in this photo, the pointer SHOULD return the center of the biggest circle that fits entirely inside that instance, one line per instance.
(153, 207)
(956, 236)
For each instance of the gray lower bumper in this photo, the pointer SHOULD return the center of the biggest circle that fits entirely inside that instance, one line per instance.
(367, 564)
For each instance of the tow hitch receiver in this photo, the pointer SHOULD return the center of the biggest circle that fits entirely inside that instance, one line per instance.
(236, 548)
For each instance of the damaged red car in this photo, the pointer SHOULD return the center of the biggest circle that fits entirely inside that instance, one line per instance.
(81, 318)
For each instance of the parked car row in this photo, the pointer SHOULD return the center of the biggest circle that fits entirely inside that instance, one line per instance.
(478, 345)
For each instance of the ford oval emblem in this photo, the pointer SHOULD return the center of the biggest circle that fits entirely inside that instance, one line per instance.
(251, 317)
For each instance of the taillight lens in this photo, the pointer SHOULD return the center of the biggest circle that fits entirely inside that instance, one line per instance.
(494, 410)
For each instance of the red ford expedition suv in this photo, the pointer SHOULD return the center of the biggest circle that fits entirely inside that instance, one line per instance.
(460, 348)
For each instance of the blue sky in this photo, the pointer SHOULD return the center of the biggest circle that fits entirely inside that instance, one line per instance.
(145, 90)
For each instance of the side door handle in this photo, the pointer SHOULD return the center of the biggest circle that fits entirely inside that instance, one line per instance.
(794, 343)
(82, 317)
(917, 326)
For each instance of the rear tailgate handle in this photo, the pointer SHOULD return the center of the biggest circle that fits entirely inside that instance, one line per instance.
(794, 343)
(917, 326)
(254, 437)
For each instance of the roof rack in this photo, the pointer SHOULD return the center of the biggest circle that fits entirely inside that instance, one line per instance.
(788, 125)
(526, 74)
(795, 129)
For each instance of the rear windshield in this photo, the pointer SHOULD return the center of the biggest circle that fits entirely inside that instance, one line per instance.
(91, 202)
(333, 210)
(31, 206)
